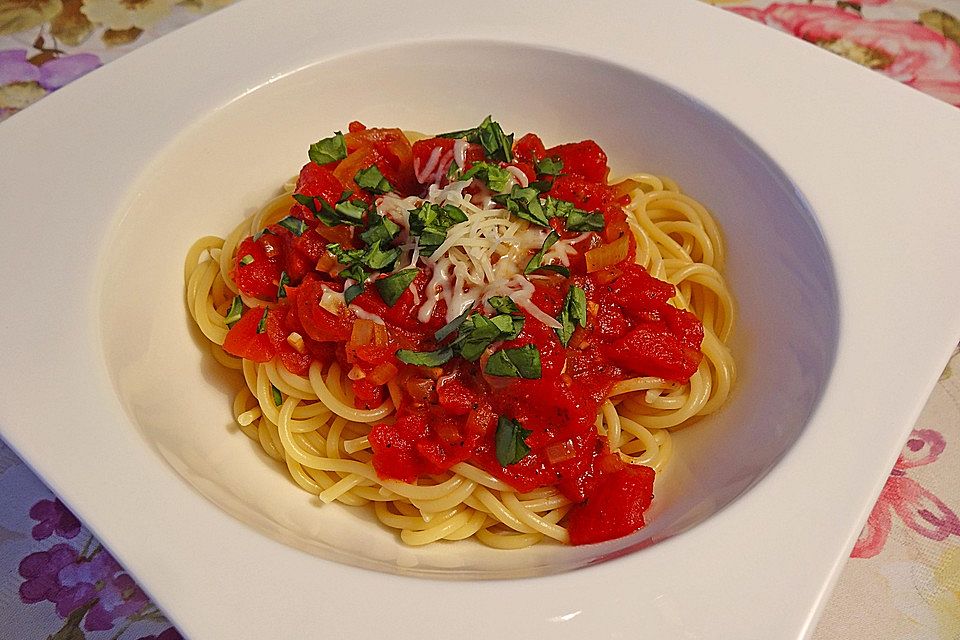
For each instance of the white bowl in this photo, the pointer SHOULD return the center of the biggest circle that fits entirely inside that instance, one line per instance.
(107, 379)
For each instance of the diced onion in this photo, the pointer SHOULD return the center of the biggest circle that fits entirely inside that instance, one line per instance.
(560, 452)
(607, 255)
(295, 340)
(363, 332)
(382, 373)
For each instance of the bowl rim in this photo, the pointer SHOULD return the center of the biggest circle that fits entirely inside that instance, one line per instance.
(740, 541)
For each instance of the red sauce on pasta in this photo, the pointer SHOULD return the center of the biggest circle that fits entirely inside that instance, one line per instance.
(522, 405)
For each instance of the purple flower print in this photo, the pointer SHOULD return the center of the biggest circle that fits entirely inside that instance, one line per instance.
(41, 570)
(54, 518)
(117, 595)
(52, 74)
(15, 68)
(167, 634)
(60, 71)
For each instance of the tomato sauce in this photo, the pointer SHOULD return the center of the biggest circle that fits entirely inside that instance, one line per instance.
(449, 413)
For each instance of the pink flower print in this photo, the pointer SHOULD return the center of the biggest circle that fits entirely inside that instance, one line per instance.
(41, 572)
(917, 507)
(54, 518)
(905, 51)
(117, 595)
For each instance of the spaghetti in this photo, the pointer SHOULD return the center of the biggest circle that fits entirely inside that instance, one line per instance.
(478, 337)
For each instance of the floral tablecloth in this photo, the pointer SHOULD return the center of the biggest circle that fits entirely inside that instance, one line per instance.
(903, 578)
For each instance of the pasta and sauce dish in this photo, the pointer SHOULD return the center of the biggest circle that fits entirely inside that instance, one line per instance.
(473, 335)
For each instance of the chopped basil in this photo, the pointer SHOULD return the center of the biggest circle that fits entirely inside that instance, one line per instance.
(476, 334)
(537, 258)
(296, 226)
(495, 177)
(579, 220)
(381, 229)
(233, 315)
(548, 166)
(425, 358)
(352, 260)
(511, 441)
(393, 286)
(262, 325)
(277, 397)
(573, 313)
(496, 144)
(351, 211)
(503, 304)
(524, 203)
(372, 180)
(350, 293)
(247, 259)
(378, 259)
(328, 150)
(556, 268)
(322, 211)
(430, 223)
(451, 326)
(282, 285)
(557, 208)
(521, 362)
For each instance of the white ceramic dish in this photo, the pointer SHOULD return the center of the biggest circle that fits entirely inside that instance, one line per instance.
(105, 385)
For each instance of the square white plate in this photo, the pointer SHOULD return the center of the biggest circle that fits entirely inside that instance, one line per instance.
(845, 325)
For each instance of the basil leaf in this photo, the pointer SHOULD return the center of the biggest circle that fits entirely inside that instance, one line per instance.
(372, 180)
(476, 334)
(503, 304)
(430, 223)
(425, 358)
(579, 220)
(328, 150)
(556, 268)
(381, 229)
(378, 259)
(296, 226)
(322, 211)
(393, 286)
(573, 312)
(495, 177)
(548, 166)
(351, 212)
(511, 441)
(352, 260)
(277, 397)
(495, 142)
(233, 314)
(451, 326)
(537, 258)
(262, 325)
(521, 362)
(350, 293)
(524, 203)
(282, 285)
(555, 208)
(247, 259)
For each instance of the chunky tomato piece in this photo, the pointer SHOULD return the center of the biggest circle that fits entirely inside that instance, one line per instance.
(654, 350)
(529, 148)
(637, 291)
(320, 324)
(319, 182)
(584, 194)
(585, 159)
(615, 509)
(432, 158)
(258, 267)
(250, 338)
